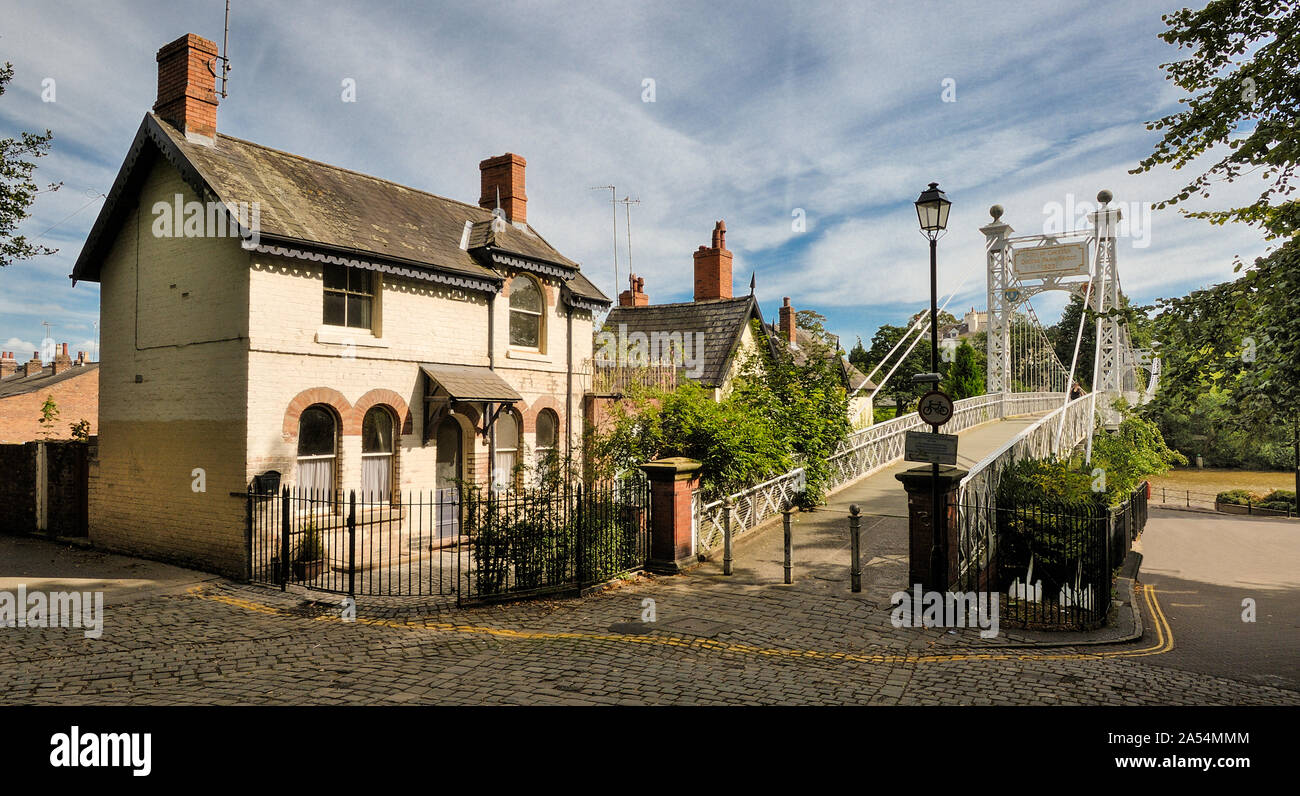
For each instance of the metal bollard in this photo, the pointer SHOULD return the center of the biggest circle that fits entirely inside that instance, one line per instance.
(855, 544)
(726, 536)
(786, 520)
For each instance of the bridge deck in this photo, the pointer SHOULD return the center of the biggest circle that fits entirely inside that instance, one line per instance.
(821, 542)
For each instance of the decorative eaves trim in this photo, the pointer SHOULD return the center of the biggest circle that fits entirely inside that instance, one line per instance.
(148, 133)
(467, 282)
(499, 257)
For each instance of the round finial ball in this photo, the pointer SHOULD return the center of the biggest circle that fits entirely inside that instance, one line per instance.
(1104, 196)
(996, 212)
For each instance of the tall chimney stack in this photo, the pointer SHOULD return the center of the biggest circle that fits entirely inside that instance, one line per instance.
(187, 87)
(635, 295)
(33, 365)
(62, 361)
(503, 179)
(788, 321)
(713, 267)
(8, 365)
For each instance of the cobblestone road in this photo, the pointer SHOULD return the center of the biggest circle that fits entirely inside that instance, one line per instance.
(713, 643)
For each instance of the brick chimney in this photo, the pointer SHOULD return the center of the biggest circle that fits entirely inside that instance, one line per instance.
(8, 365)
(713, 267)
(635, 295)
(788, 324)
(61, 360)
(504, 174)
(81, 358)
(33, 365)
(187, 87)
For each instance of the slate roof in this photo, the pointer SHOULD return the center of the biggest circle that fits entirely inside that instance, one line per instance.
(471, 383)
(721, 321)
(323, 207)
(805, 342)
(18, 384)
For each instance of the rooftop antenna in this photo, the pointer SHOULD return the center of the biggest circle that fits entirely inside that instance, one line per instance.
(223, 58)
(613, 202)
(627, 205)
(48, 342)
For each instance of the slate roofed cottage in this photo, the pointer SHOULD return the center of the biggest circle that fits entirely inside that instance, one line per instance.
(266, 312)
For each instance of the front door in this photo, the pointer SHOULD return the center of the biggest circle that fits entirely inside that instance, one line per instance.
(448, 474)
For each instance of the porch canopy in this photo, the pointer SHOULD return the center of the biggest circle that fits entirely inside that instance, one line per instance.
(449, 385)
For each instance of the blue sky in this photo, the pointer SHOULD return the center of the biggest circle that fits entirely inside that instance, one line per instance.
(760, 110)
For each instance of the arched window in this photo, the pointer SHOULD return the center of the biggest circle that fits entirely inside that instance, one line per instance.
(506, 429)
(317, 449)
(548, 426)
(377, 447)
(525, 312)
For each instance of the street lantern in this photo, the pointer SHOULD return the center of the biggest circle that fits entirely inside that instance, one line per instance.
(932, 211)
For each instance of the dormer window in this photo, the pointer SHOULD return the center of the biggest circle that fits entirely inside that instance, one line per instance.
(526, 312)
(349, 297)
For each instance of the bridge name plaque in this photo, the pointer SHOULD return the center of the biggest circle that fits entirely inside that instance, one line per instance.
(1061, 259)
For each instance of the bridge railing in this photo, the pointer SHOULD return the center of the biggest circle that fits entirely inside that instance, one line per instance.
(1054, 434)
(864, 452)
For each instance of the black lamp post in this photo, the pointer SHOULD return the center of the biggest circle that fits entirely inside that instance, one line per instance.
(932, 212)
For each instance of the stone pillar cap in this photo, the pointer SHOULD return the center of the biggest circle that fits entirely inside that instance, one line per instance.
(673, 467)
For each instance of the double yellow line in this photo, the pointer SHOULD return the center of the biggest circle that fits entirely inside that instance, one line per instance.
(1164, 637)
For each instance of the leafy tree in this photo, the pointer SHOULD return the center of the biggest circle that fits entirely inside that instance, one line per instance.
(1242, 75)
(780, 413)
(17, 190)
(80, 430)
(965, 378)
(815, 324)
(1241, 336)
(49, 416)
(1064, 331)
(900, 386)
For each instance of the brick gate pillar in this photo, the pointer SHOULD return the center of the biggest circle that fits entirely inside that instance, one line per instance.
(673, 481)
(917, 481)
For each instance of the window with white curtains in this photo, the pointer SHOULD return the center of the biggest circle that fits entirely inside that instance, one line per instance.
(317, 450)
(377, 446)
(507, 451)
(547, 432)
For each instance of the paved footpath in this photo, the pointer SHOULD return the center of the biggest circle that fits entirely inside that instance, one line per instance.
(190, 639)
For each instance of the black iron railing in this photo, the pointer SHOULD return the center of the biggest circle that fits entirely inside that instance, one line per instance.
(530, 542)
(1053, 564)
(472, 544)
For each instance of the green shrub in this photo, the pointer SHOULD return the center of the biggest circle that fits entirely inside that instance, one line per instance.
(1237, 497)
(310, 546)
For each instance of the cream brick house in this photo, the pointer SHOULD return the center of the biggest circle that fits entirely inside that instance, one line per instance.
(348, 333)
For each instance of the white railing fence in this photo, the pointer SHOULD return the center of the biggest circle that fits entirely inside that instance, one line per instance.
(749, 507)
(1049, 436)
(864, 452)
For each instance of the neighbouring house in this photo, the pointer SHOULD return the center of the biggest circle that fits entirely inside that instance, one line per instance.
(972, 323)
(263, 312)
(801, 342)
(73, 385)
(707, 339)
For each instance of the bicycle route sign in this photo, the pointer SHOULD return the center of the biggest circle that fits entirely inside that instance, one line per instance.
(935, 408)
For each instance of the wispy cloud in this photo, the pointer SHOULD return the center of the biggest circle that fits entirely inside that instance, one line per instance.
(761, 109)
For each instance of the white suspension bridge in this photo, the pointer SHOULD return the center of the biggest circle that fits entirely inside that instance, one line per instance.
(1025, 379)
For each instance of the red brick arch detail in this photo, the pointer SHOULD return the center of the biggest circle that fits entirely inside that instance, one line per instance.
(387, 398)
(319, 395)
(544, 402)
